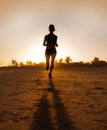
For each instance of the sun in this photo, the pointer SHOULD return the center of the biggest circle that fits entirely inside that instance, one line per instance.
(36, 54)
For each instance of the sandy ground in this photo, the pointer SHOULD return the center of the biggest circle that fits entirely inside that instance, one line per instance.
(73, 99)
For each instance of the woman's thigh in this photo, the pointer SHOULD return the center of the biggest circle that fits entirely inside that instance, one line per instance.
(53, 57)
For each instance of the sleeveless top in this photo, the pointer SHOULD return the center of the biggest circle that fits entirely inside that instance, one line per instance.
(51, 41)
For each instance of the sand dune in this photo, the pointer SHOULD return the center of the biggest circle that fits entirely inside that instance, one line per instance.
(74, 99)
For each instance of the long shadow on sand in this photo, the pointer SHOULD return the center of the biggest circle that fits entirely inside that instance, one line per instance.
(42, 120)
(63, 119)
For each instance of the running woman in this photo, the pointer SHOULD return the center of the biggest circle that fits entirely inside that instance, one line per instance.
(50, 41)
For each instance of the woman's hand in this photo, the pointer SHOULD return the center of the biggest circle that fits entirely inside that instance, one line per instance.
(56, 45)
(45, 44)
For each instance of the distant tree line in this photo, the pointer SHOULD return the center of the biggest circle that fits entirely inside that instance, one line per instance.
(67, 60)
(94, 62)
(61, 61)
(14, 62)
(27, 63)
(97, 62)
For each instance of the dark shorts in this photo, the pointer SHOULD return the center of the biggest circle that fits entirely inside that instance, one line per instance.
(50, 51)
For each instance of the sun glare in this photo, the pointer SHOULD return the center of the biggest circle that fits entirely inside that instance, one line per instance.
(36, 55)
(61, 53)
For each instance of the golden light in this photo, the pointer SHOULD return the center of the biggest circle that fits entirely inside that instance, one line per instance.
(61, 53)
(36, 54)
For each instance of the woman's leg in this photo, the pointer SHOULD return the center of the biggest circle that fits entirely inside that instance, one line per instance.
(47, 61)
(52, 62)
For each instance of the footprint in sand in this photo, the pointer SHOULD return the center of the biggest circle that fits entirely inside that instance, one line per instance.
(37, 81)
(9, 115)
(98, 88)
(97, 82)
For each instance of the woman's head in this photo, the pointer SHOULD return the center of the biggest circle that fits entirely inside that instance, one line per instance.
(51, 28)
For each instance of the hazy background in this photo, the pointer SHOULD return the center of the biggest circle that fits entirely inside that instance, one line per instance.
(81, 26)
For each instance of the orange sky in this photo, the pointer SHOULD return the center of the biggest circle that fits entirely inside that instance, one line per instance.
(81, 26)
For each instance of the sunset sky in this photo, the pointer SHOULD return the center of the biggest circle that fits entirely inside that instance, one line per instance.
(81, 27)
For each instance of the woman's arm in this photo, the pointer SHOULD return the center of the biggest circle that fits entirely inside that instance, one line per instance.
(56, 42)
(44, 42)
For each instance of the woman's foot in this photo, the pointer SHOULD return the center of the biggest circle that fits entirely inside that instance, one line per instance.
(47, 67)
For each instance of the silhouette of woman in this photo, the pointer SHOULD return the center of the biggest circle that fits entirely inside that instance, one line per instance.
(50, 41)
